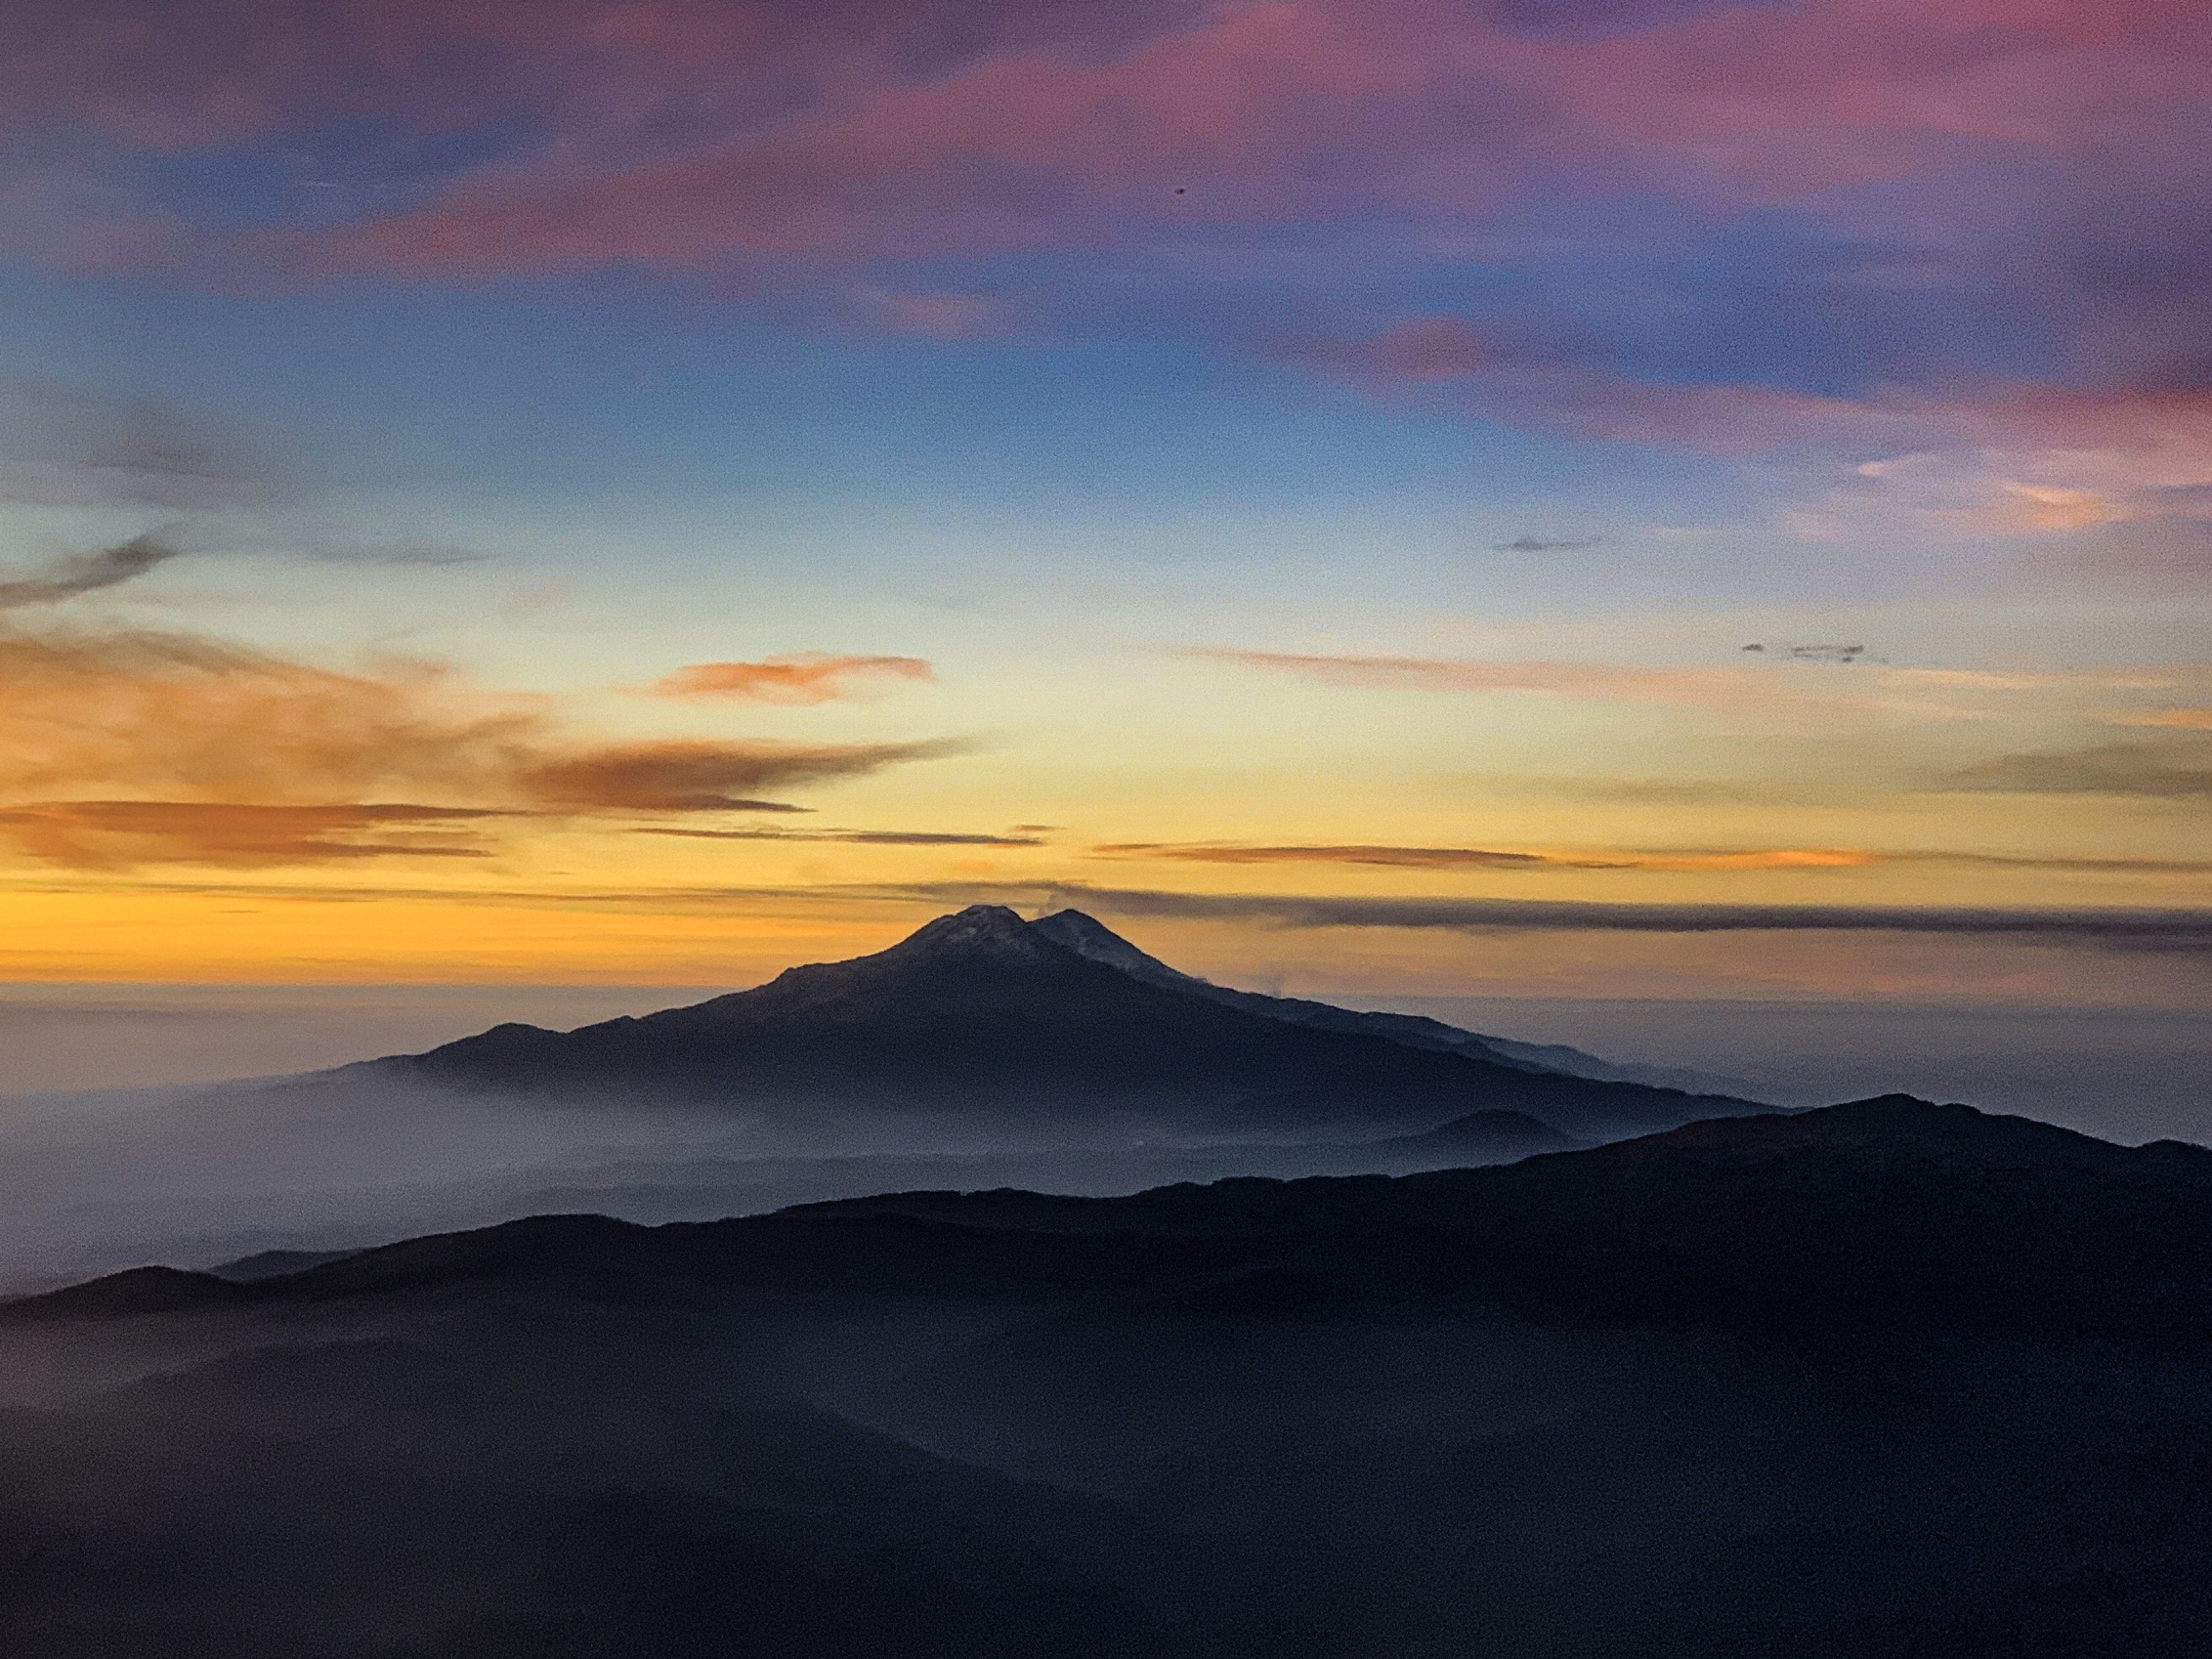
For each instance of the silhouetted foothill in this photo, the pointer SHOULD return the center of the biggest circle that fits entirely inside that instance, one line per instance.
(1890, 1379)
(135, 1290)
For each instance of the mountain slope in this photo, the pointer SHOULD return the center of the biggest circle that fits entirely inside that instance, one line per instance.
(980, 1015)
(1088, 937)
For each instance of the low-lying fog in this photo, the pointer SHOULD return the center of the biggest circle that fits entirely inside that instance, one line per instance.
(84, 1036)
(196, 1175)
(200, 1175)
(2125, 1074)
(193, 1176)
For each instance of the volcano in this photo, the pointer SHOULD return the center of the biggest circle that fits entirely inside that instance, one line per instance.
(1059, 1022)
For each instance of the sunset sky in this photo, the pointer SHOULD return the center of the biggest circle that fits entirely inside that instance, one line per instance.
(1595, 498)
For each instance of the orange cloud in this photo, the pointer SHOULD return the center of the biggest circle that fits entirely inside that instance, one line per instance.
(200, 729)
(703, 777)
(2047, 507)
(808, 678)
(116, 835)
(168, 716)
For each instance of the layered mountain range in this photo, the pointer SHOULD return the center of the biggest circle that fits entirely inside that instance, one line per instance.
(1883, 1380)
(984, 1017)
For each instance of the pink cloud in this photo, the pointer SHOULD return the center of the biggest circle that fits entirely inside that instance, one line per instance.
(205, 71)
(702, 135)
(1436, 359)
(2126, 472)
(1315, 108)
(934, 316)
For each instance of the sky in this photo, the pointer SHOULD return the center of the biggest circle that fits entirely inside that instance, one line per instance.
(1404, 499)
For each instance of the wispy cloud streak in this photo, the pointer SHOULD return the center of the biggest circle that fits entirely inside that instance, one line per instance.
(86, 573)
(2180, 769)
(851, 837)
(121, 835)
(179, 719)
(1698, 860)
(1593, 680)
(2174, 929)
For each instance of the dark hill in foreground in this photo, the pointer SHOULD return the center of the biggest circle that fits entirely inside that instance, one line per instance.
(983, 1017)
(1881, 1212)
(1885, 1381)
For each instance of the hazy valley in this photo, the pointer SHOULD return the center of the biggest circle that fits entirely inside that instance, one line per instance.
(983, 1051)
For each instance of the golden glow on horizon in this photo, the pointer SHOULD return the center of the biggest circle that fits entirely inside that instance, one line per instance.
(180, 808)
(270, 937)
(267, 937)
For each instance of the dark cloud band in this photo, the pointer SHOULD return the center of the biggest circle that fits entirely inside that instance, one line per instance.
(855, 837)
(2164, 929)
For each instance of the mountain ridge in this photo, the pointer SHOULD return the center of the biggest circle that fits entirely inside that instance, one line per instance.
(1724, 1218)
(1875, 1382)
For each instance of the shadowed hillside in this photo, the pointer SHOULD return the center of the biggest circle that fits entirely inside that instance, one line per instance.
(1885, 1378)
